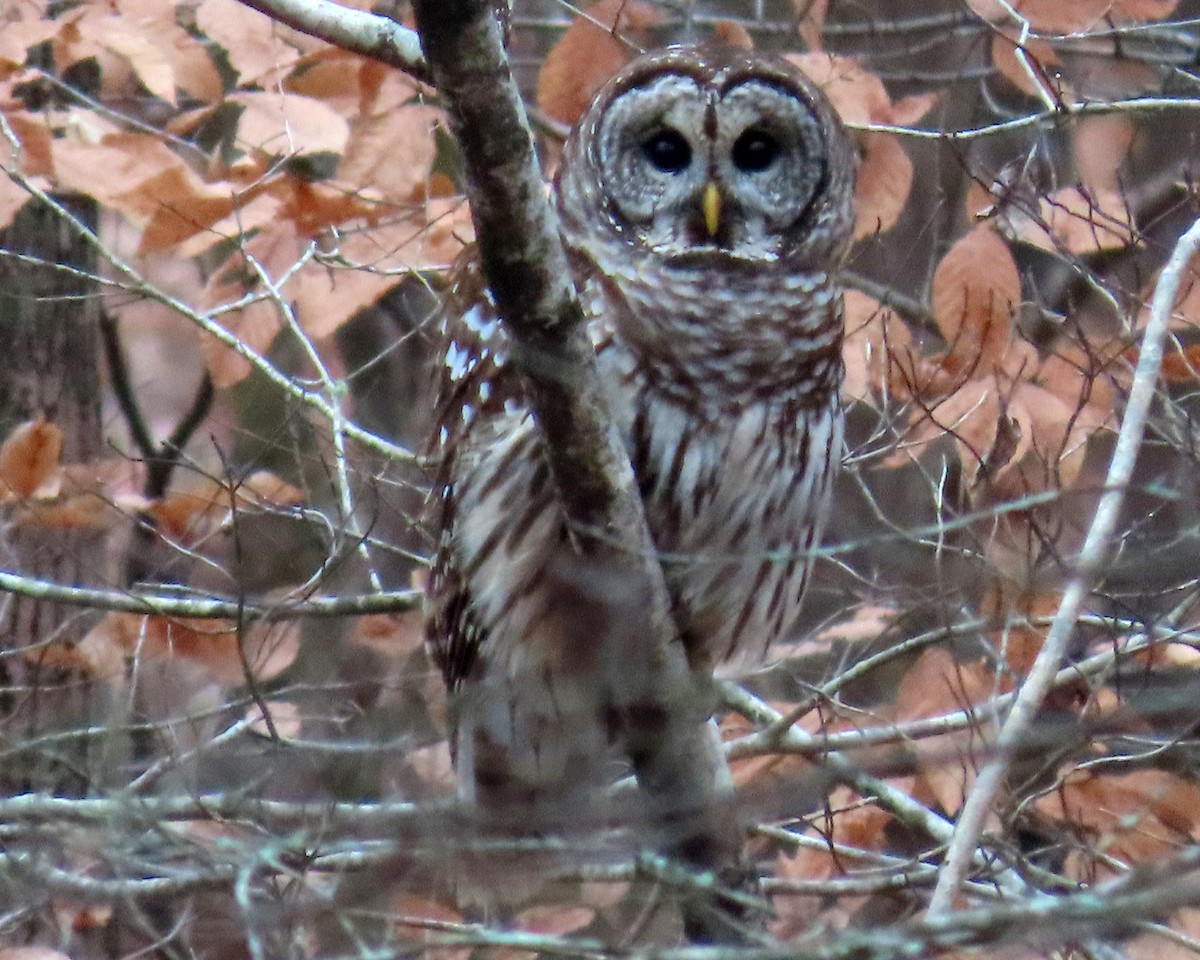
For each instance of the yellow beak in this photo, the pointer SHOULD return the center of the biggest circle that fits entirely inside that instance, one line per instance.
(710, 205)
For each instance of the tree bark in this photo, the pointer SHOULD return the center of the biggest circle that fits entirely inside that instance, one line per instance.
(49, 339)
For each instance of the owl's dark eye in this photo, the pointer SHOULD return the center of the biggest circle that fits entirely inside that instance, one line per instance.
(754, 151)
(667, 150)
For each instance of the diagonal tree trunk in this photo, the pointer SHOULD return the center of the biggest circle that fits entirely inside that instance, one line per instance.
(659, 707)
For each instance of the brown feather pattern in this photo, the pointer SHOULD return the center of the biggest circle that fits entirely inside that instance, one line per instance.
(722, 364)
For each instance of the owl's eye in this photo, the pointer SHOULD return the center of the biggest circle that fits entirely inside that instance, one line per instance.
(754, 151)
(667, 150)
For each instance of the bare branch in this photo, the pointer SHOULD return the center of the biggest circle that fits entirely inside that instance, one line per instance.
(166, 605)
(355, 30)
(1087, 570)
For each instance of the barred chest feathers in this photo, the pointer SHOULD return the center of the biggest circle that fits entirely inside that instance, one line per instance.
(735, 449)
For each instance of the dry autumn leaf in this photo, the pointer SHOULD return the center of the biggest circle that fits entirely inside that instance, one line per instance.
(1181, 364)
(600, 41)
(975, 289)
(276, 719)
(812, 15)
(1099, 146)
(1137, 817)
(1079, 222)
(29, 458)
(935, 685)
(1075, 16)
(730, 33)
(188, 515)
(286, 124)
(256, 46)
(860, 98)
(230, 656)
(883, 184)
(1039, 59)
(390, 151)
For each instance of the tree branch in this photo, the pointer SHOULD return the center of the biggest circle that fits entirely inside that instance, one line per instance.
(660, 710)
(165, 605)
(355, 30)
(1087, 572)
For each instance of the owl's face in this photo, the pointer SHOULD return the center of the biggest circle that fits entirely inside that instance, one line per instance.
(693, 152)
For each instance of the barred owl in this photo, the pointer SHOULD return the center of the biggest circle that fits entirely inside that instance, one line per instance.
(705, 202)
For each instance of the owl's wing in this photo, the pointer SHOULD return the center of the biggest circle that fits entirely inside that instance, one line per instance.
(512, 604)
(492, 499)
(473, 386)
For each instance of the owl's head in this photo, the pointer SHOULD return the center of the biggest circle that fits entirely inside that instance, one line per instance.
(691, 153)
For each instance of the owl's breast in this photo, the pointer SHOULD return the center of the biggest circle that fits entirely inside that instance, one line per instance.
(736, 505)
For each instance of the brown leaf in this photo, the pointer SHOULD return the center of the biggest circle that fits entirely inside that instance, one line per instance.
(275, 250)
(730, 33)
(285, 124)
(193, 513)
(434, 765)
(590, 51)
(881, 189)
(879, 352)
(35, 137)
(24, 29)
(1043, 61)
(974, 292)
(327, 295)
(29, 457)
(1076, 16)
(255, 45)
(147, 183)
(124, 36)
(196, 511)
(12, 199)
(191, 64)
(390, 151)
(794, 916)
(866, 623)
(263, 649)
(554, 920)
(1185, 312)
(772, 771)
(935, 685)
(190, 234)
(812, 21)
(335, 77)
(1137, 818)
(1181, 364)
(286, 721)
(1099, 145)
(1019, 642)
(858, 95)
(393, 634)
(1082, 222)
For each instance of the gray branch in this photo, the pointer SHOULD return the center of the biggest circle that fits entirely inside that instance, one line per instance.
(355, 30)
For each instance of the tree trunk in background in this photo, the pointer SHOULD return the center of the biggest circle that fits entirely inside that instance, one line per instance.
(49, 338)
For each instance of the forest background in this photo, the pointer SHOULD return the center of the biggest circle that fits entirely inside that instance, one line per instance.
(224, 242)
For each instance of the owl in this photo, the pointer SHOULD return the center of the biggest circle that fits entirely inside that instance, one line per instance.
(705, 204)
